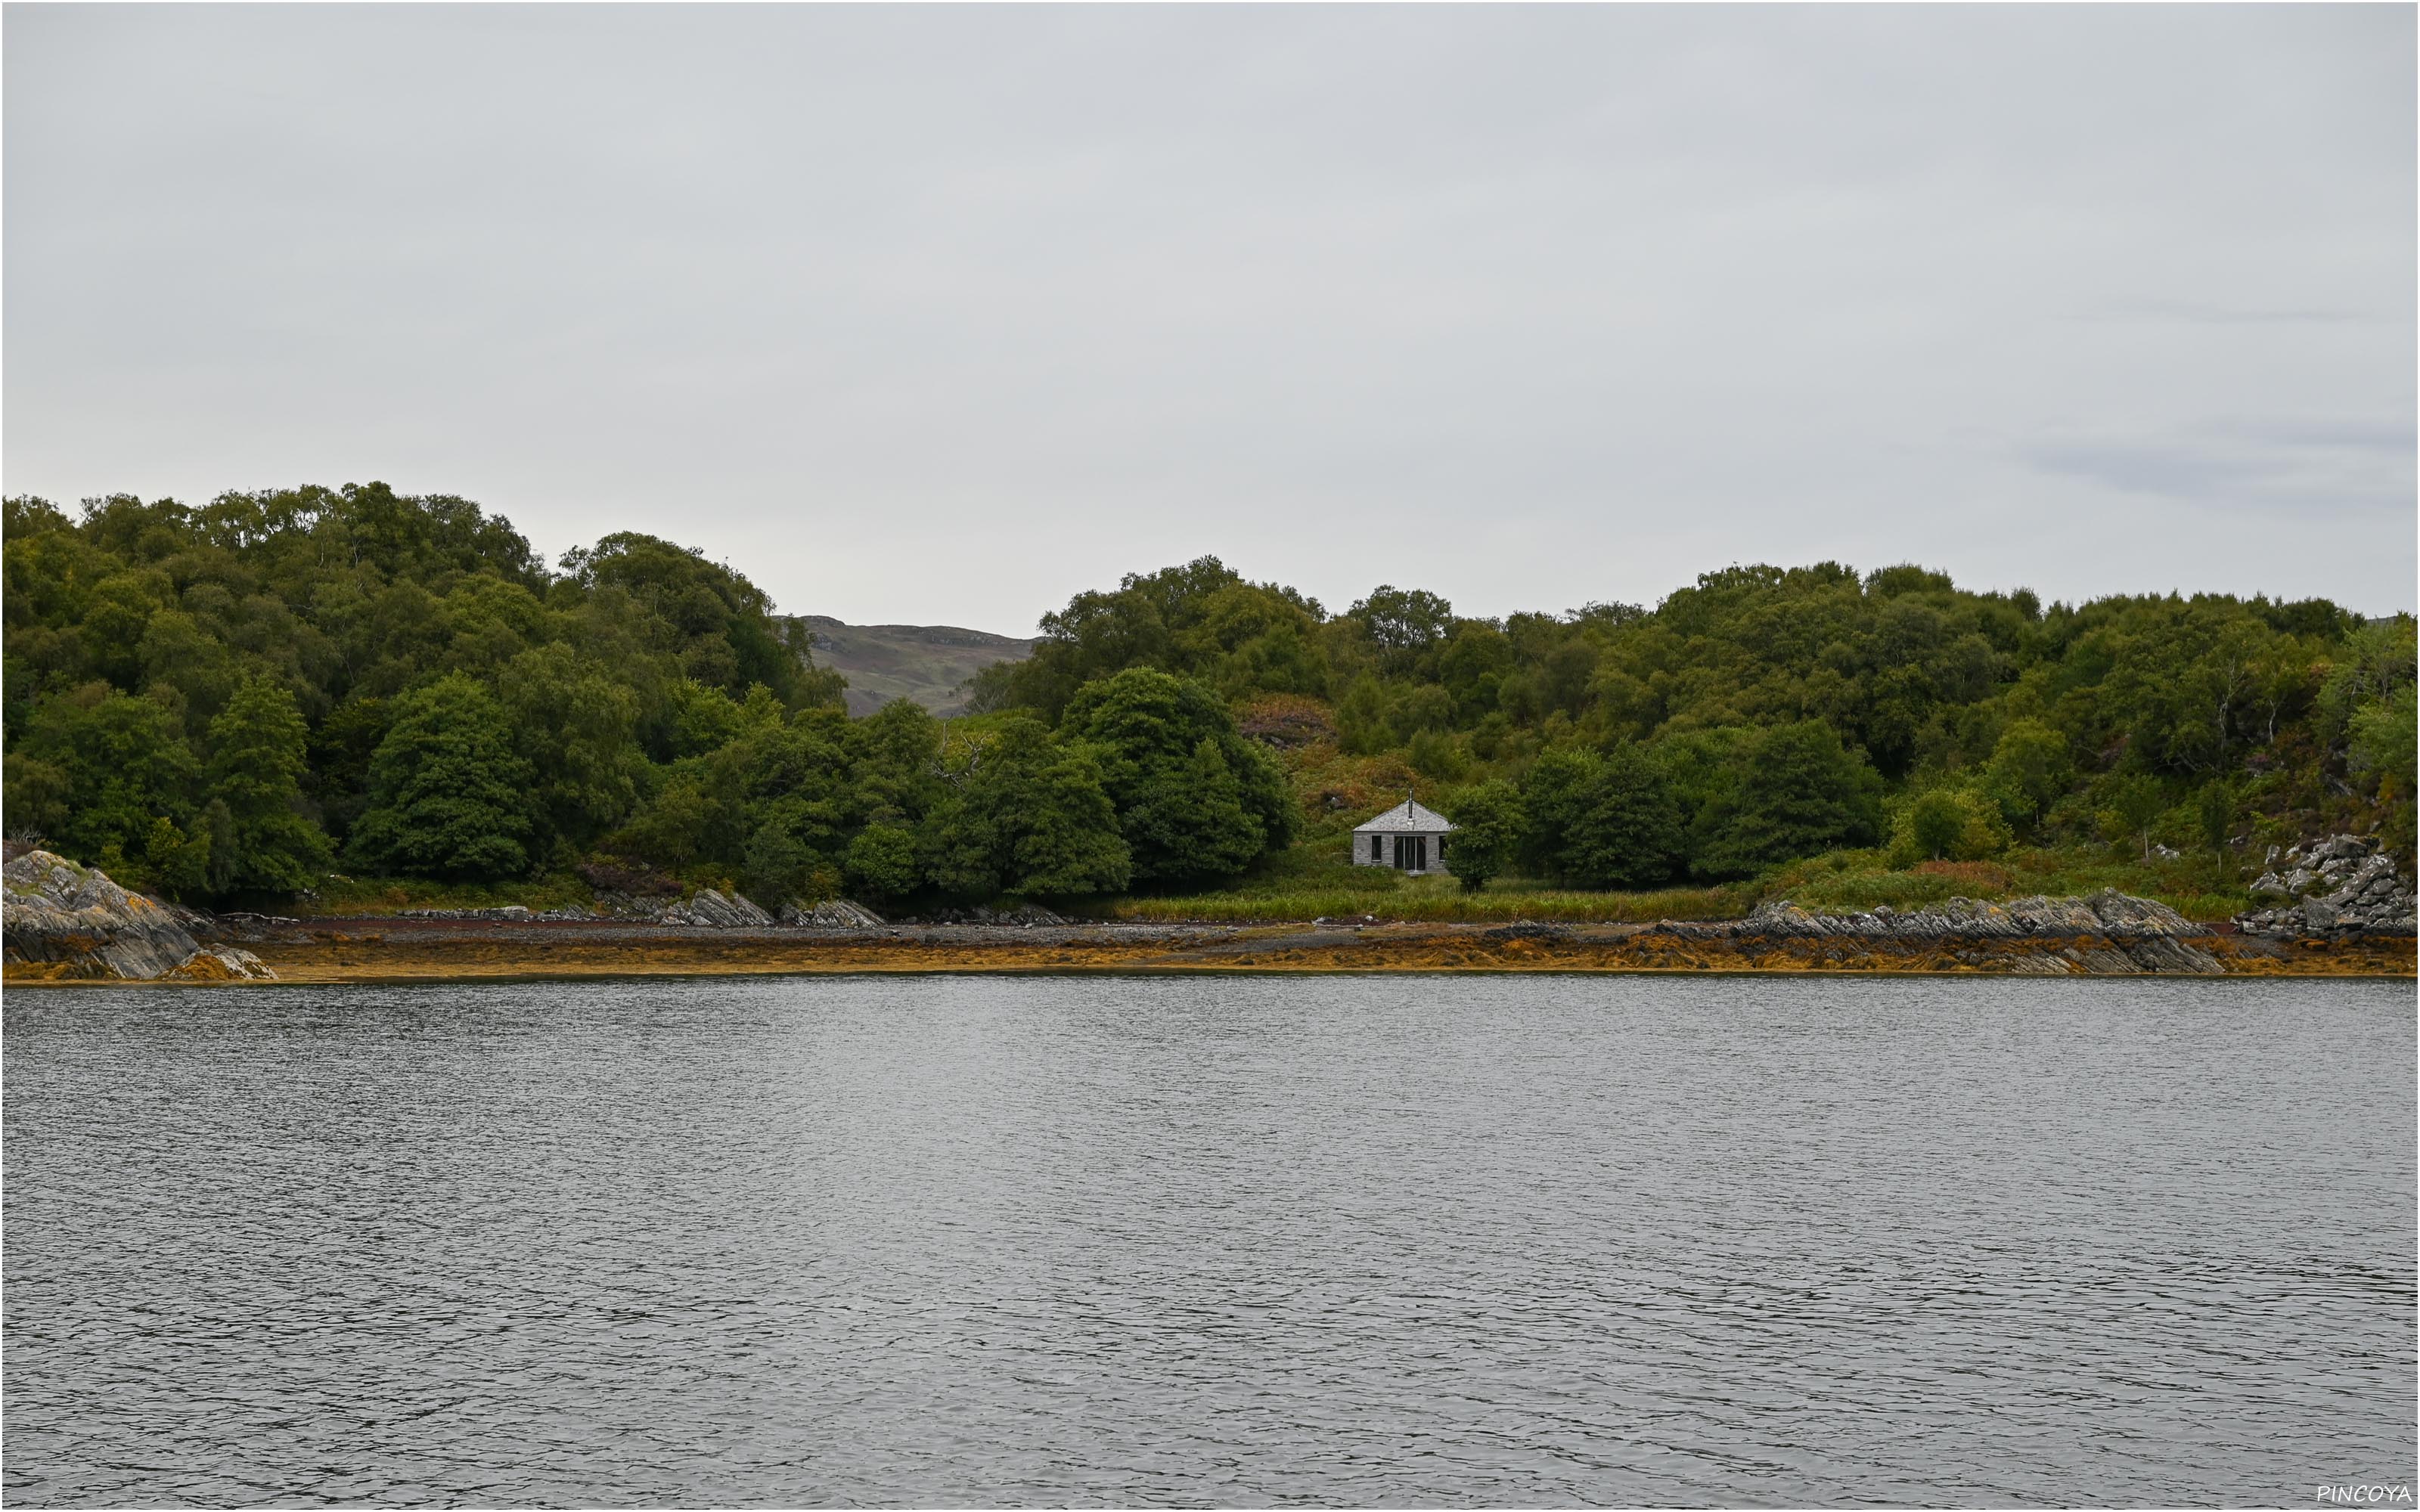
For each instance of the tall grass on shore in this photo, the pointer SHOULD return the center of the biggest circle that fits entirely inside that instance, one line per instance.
(1437, 905)
(2194, 886)
(1315, 881)
(1305, 888)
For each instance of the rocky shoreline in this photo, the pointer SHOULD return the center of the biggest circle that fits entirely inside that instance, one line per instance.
(2108, 933)
(68, 923)
(65, 922)
(450, 951)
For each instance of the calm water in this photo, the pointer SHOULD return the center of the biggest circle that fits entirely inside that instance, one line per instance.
(1372, 1240)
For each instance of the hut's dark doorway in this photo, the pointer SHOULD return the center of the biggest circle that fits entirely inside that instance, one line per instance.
(1411, 853)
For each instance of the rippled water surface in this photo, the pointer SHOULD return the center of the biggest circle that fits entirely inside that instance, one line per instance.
(1394, 1240)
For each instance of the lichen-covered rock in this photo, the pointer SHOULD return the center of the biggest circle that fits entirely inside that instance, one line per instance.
(1527, 929)
(710, 909)
(2121, 936)
(837, 912)
(2108, 914)
(2172, 958)
(225, 963)
(2339, 885)
(62, 921)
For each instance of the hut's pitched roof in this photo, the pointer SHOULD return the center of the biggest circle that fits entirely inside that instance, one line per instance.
(1407, 817)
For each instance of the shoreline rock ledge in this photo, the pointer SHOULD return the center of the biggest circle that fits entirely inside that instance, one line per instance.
(2107, 933)
(65, 922)
(2109, 914)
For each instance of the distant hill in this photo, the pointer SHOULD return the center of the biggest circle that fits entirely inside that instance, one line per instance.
(928, 663)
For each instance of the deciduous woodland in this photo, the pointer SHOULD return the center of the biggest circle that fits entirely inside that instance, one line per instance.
(346, 694)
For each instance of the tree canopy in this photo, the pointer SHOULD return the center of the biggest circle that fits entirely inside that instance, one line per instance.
(228, 700)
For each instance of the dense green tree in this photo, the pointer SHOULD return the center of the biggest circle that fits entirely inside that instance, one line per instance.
(261, 840)
(122, 764)
(1435, 754)
(1404, 624)
(41, 796)
(1361, 723)
(2368, 666)
(1607, 820)
(1935, 821)
(958, 848)
(883, 862)
(2381, 750)
(1195, 801)
(718, 625)
(2383, 743)
(696, 719)
(896, 761)
(350, 597)
(223, 859)
(793, 772)
(1948, 823)
(1056, 832)
(171, 862)
(2030, 769)
(1185, 822)
(576, 725)
(341, 746)
(449, 795)
(1630, 834)
(677, 824)
(1199, 621)
(1491, 822)
(664, 713)
(775, 867)
(2132, 804)
(1795, 790)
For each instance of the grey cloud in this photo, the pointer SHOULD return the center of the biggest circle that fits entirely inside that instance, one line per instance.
(2222, 316)
(2310, 467)
(2140, 468)
(2399, 435)
(942, 314)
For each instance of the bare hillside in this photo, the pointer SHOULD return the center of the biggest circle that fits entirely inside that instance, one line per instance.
(927, 663)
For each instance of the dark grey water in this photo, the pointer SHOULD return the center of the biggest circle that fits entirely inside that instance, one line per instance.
(1398, 1241)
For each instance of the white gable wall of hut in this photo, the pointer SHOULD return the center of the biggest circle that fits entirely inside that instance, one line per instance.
(1408, 837)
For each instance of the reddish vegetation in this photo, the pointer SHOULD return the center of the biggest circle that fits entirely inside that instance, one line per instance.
(1986, 878)
(366, 950)
(1286, 720)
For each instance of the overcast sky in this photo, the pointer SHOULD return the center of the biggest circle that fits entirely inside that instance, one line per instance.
(938, 314)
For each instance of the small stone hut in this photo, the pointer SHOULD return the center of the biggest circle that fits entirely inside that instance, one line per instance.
(1408, 836)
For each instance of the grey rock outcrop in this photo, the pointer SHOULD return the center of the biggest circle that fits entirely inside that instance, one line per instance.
(2339, 885)
(2107, 914)
(710, 909)
(837, 913)
(1527, 929)
(70, 922)
(623, 905)
(2106, 934)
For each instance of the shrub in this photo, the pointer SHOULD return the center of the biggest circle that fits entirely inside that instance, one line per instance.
(1947, 825)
